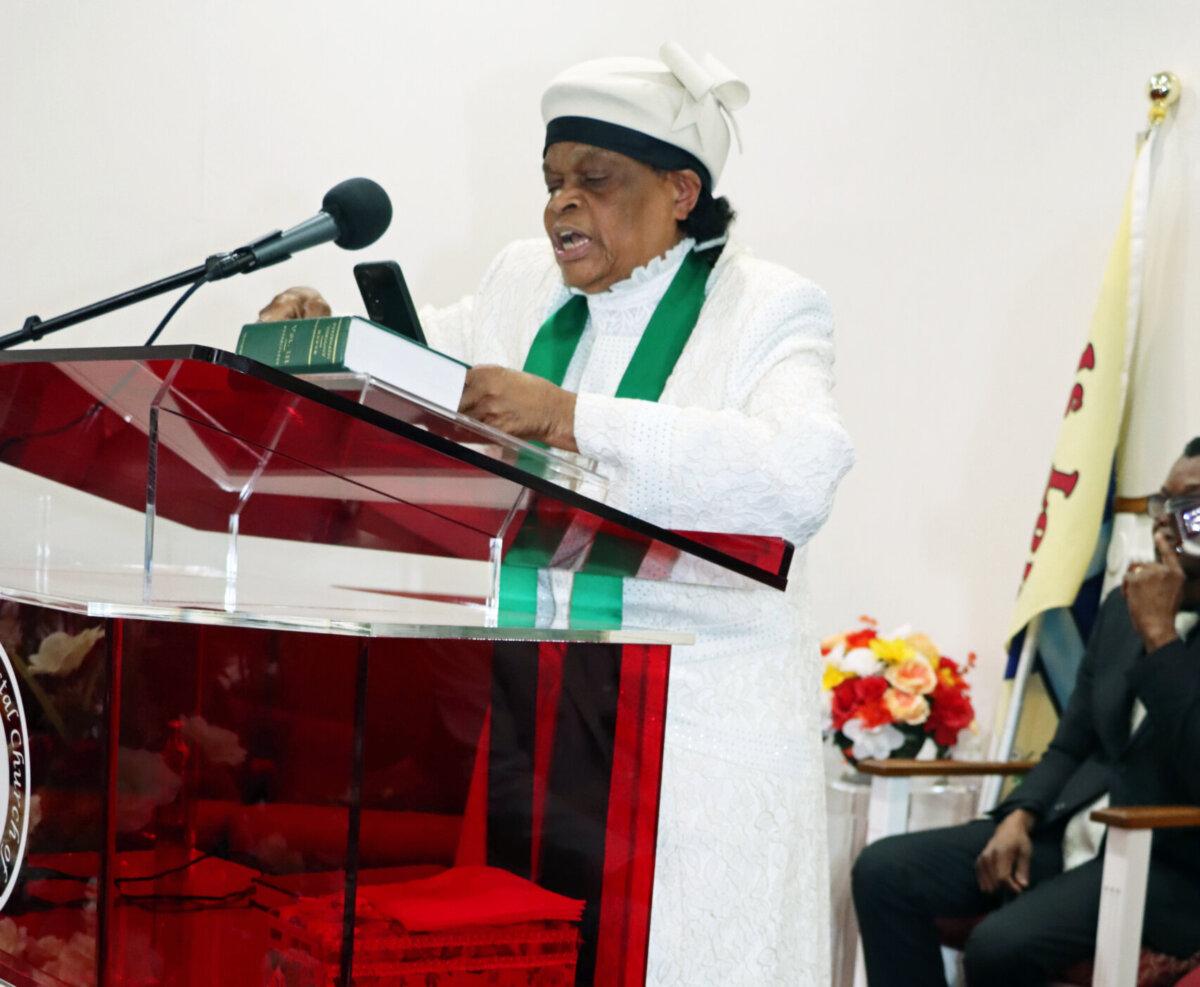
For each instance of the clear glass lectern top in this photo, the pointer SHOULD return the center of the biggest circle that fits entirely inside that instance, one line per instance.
(192, 480)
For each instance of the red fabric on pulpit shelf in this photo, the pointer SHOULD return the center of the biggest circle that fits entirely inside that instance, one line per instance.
(468, 896)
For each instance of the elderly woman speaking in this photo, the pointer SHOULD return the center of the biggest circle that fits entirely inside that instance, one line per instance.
(699, 377)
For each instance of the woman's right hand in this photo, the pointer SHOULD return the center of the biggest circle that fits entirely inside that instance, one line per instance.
(296, 303)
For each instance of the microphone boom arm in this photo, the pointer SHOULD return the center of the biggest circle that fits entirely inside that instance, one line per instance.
(354, 214)
(216, 267)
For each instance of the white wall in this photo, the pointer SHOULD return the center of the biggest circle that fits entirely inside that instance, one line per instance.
(950, 171)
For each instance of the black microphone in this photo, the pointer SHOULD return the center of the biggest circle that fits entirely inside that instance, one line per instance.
(354, 214)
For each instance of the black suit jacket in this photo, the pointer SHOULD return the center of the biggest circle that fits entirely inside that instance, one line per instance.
(1093, 750)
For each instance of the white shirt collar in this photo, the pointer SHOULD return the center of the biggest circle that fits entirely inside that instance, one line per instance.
(647, 283)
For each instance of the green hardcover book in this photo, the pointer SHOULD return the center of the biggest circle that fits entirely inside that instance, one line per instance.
(349, 343)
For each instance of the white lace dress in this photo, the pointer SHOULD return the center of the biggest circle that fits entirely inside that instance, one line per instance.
(745, 438)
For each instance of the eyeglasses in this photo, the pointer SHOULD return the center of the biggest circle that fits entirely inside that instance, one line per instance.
(1160, 506)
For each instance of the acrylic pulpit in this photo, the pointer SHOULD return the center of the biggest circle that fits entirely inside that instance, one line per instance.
(272, 719)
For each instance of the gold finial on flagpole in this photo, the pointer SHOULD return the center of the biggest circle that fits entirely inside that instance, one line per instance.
(1162, 90)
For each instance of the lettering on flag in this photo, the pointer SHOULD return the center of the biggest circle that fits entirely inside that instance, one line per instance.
(1086, 362)
(1060, 480)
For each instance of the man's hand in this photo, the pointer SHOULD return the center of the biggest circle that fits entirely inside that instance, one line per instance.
(1154, 592)
(1004, 862)
(296, 303)
(520, 404)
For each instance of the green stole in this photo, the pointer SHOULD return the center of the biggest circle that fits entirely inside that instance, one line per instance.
(596, 598)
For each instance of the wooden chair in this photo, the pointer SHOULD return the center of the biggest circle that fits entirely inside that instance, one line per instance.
(887, 809)
(1119, 960)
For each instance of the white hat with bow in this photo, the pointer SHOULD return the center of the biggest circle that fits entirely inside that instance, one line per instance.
(644, 108)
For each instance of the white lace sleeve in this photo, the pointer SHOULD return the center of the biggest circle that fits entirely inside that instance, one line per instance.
(767, 462)
(448, 329)
(496, 324)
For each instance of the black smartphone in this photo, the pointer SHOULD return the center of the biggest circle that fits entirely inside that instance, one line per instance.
(1187, 519)
(386, 296)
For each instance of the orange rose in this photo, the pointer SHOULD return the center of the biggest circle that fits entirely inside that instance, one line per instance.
(913, 675)
(905, 707)
(924, 646)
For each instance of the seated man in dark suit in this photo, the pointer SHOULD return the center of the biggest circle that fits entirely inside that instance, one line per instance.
(1131, 734)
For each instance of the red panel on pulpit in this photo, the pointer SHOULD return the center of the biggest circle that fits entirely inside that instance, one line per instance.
(215, 833)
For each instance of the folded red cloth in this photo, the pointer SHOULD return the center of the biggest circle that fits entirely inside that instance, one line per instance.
(464, 896)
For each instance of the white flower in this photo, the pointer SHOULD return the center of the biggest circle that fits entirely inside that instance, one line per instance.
(141, 772)
(61, 653)
(231, 674)
(134, 812)
(863, 662)
(877, 742)
(826, 713)
(273, 853)
(13, 937)
(41, 951)
(76, 962)
(143, 782)
(218, 745)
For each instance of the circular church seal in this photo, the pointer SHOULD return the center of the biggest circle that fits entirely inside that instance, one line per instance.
(14, 780)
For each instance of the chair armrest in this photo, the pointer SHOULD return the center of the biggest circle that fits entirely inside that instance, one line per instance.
(901, 767)
(1123, 883)
(1148, 816)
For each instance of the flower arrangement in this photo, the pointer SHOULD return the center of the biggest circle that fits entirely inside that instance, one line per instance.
(886, 696)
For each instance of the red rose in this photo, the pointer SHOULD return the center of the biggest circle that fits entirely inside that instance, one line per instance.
(874, 712)
(845, 701)
(949, 673)
(859, 639)
(952, 712)
(863, 698)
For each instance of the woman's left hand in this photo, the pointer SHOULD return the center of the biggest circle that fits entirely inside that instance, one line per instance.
(521, 404)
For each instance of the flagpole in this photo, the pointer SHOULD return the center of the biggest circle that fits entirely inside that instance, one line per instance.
(989, 793)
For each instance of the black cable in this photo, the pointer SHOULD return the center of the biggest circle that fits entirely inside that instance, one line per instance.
(77, 420)
(176, 901)
(172, 870)
(186, 902)
(203, 279)
(6, 445)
